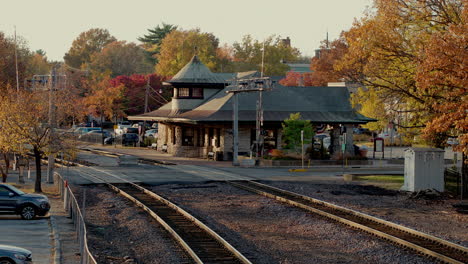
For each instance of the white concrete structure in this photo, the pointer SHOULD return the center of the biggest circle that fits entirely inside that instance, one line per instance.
(424, 169)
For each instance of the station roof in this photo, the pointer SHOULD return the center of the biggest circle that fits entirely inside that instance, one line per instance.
(317, 104)
(195, 72)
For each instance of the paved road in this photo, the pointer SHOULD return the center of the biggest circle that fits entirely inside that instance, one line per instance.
(33, 235)
(107, 168)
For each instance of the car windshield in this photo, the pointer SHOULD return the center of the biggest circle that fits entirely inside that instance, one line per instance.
(16, 190)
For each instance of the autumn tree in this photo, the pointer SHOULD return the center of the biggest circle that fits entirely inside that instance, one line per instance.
(368, 102)
(103, 98)
(384, 52)
(134, 89)
(323, 65)
(38, 64)
(179, 46)
(442, 78)
(120, 58)
(9, 143)
(248, 55)
(24, 118)
(7, 61)
(293, 78)
(86, 45)
(152, 40)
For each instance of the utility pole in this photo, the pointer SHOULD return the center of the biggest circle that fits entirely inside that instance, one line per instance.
(245, 86)
(16, 63)
(51, 158)
(146, 108)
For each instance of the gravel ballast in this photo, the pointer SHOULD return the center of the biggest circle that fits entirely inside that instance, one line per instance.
(267, 231)
(436, 217)
(120, 232)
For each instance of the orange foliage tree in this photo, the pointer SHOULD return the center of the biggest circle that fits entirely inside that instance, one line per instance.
(322, 66)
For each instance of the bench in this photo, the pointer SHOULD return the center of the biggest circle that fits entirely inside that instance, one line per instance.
(164, 148)
(210, 155)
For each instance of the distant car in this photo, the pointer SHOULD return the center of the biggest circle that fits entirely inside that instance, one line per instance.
(383, 135)
(95, 136)
(452, 141)
(360, 130)
(84, 130)
(14, 255)
(121, 127)
(151, 133)
(28, 206)
(133, 130)
(127, 139)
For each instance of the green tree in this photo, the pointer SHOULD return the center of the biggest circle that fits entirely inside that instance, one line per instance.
(152, 40)
(121, 58)
(292, 132)
(86, 45)
(248, 55)
(178, 47)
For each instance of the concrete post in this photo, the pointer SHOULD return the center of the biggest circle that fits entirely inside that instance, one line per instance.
(235, 130)
(178, 136)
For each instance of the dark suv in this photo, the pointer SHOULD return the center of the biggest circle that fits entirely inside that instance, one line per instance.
(28, 206)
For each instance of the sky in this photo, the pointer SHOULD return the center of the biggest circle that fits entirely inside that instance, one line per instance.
(52, 25)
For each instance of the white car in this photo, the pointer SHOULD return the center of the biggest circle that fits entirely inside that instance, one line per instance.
(452, 141)
(121, 129)
(151, 133)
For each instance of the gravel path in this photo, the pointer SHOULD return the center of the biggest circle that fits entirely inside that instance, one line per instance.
(267, 231)
(119, 232)
(435, 217)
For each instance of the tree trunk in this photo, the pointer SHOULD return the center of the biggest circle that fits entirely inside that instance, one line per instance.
(37, 156)
(6, 157)
(4, 176)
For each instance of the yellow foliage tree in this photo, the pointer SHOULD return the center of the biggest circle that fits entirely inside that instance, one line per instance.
(368, 103)
(179, 46)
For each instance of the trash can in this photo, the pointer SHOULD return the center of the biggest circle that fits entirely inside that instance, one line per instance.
(218, 156)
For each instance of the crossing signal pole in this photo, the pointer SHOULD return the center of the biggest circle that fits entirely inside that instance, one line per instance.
(246, 86)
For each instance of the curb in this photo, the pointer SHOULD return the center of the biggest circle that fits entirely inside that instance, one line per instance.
(57, 245)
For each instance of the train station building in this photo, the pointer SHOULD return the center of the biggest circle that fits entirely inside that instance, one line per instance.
(199, 118)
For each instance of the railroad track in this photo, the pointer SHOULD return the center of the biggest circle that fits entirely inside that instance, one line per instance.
(422, 243)
(199, 241)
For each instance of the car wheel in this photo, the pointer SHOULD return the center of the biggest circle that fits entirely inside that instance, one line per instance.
(6, 261)
(28, 212)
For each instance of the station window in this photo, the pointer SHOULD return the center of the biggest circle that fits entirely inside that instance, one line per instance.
(187, 93)
(184, 92)
(197, 92)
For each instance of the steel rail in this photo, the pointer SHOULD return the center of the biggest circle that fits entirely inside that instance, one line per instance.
(189, 246)
(387, 230)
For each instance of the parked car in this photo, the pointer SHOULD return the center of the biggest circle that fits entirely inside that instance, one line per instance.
(127, 139)
(151, 133)
(84, 130)
(121, 127)
(133, 130)
(14, 255)
(95, 135)
(28, 206)
(452, 141)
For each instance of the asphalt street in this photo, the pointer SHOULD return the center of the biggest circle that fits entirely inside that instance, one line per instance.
(107, 169)
(33, 235)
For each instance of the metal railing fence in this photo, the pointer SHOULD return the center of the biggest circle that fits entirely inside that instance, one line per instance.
(72, 208)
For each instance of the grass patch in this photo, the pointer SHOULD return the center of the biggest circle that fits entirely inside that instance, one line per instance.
(393, 182)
